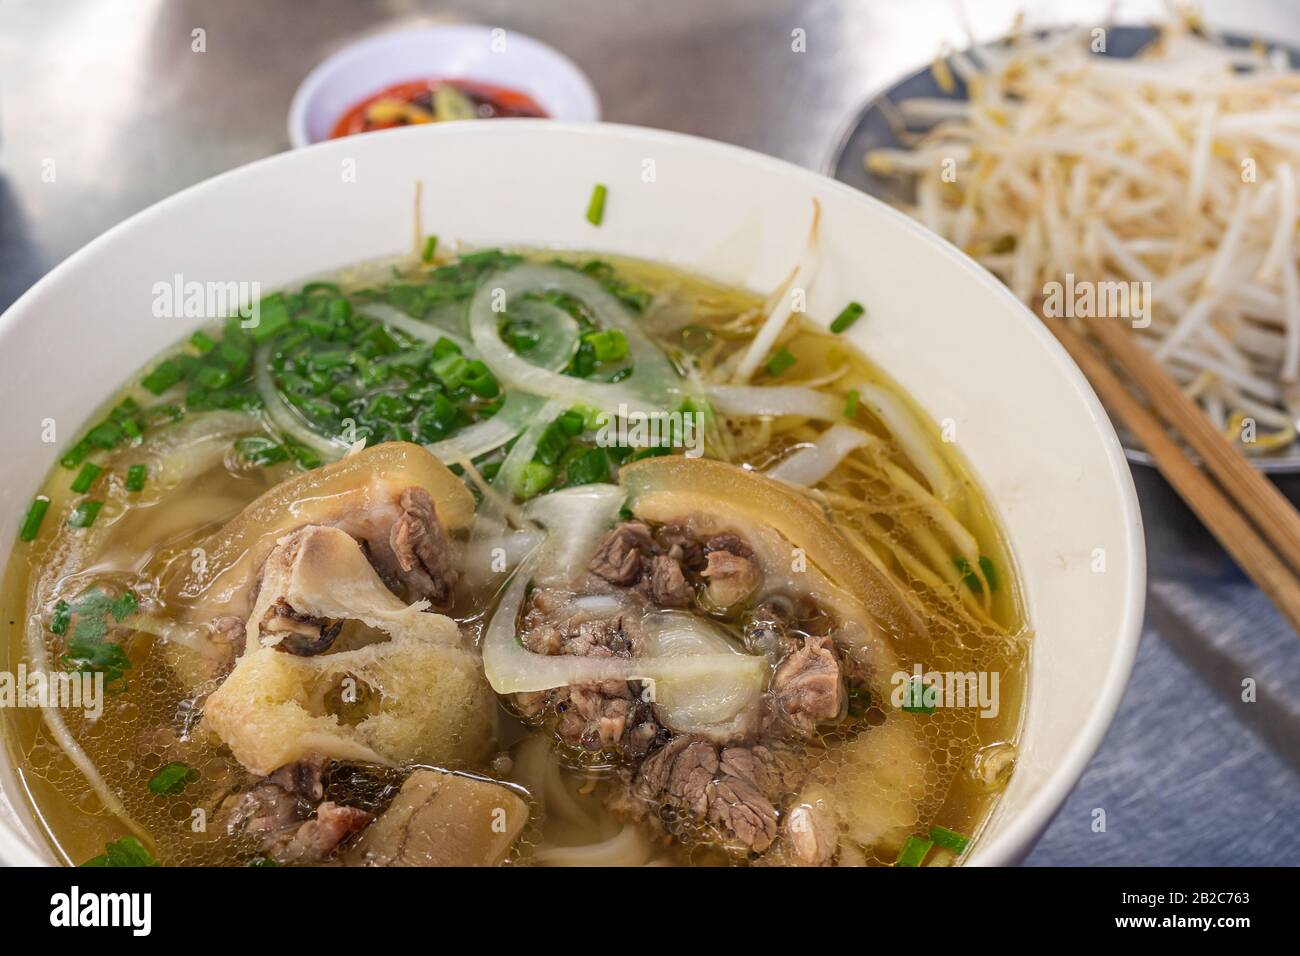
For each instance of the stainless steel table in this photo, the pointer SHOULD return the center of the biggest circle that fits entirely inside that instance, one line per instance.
(105, 109)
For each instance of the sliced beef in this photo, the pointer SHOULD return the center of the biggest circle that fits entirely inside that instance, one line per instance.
(766, 632)
(683, 547)
(277, 813)
(667, 583)
(231, 630)
(622, 554)
(423, 555)
(728, 541)
(729, 788)
(811, 835)
(317, 838)
(404, 542)
(665, 564)
(732, 579)
(609, 715)
(808, 686)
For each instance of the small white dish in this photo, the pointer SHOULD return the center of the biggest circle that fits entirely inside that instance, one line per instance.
(465, 52)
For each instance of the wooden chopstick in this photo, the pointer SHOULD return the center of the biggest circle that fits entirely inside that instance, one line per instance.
(1258, 497)
(1251, 552)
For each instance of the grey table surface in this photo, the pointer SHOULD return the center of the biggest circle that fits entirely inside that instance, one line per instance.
(109, 94)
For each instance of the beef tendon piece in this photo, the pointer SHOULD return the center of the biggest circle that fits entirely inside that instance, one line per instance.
(864, 792)
(397, 500)
(443, 819)
(788, 539)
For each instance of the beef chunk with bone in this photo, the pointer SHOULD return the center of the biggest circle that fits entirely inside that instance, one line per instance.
(405, 543)
(729, 788)
(808, 686)
(602, 716)
(661, 564)
(275, 812)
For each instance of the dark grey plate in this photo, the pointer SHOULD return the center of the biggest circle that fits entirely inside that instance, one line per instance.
(868, 129)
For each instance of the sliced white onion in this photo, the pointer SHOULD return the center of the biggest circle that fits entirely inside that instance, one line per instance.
(415, 328)
(575, 519)
(491, 433)
(507, 478)
(812, 463)
(745, 401)
(645, 391)
(285, 418)
(510, 668)
(715, 703)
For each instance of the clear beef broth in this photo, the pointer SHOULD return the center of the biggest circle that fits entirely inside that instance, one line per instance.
(946, 767)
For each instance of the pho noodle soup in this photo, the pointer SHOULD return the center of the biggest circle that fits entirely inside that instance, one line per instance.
(514, 557)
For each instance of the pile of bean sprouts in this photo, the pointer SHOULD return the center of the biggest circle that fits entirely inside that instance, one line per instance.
(1175, 168)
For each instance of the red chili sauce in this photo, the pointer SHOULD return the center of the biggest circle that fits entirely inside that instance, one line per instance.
(489, 102)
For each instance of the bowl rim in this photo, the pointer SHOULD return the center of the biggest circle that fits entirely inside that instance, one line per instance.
(1019, 831)
(374, 44)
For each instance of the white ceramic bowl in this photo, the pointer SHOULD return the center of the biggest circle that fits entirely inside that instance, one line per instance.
(467, 52)
(948, 331)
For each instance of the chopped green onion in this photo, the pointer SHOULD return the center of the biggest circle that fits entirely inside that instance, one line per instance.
(949, 839)
(60, 618)
(171, 779)
(272, 318)
(913, 851)
(780, 362)
(202, 342)
(450, 369)
(851, 404)
(916, 697)
(214, 376)
(596, 208)
(76, 454)
(163, 377)
(610, 345)
(86, 477)
(852, 312)
(105, 435)
(534, 478)
(127, 851)
(990, 572)
(589, 467)
(479, 379)
(444, 347)
(968, 577)
(84, 514)
(135, 477)
(35, 515)
(261, 451)
(123, 607)
(430, 245)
